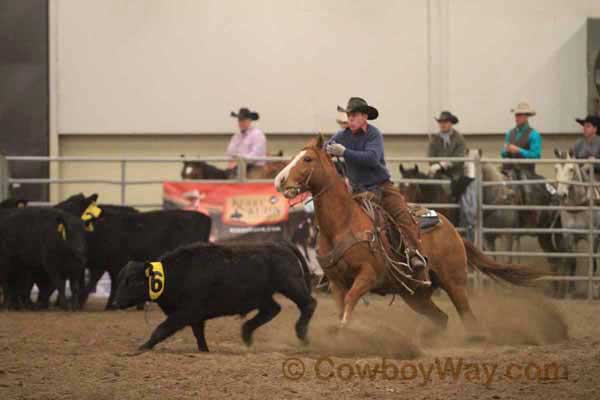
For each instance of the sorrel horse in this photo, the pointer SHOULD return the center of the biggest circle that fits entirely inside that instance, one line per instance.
(361, 268)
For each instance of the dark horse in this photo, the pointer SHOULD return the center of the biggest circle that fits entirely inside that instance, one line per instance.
(433, 193)
(204, 170)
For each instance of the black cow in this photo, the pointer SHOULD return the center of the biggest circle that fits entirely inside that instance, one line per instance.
(11, 202)
(202, 281)
(43, 246)
(120, 236)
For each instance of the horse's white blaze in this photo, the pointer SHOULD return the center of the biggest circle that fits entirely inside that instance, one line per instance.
(188, 170)
(283, 175)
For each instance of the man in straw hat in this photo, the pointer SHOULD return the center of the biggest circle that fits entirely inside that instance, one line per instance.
(249, 142)
(447, 143)
(361, 145)
(522, 142)
(342, 118)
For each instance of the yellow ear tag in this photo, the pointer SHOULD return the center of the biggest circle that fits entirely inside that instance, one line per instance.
(156, 280)
(91, 213)
(62, 231)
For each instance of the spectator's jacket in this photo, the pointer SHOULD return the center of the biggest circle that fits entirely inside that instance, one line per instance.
(585, 149)
(530, 142)
(249, 143)
(454, 148)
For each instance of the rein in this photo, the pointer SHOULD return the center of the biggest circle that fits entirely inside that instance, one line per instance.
(304, 187)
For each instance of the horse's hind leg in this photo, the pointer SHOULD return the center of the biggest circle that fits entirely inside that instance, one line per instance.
(458, 295)
(421, 303)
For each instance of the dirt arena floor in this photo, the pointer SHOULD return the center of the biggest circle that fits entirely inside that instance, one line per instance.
(537, 349)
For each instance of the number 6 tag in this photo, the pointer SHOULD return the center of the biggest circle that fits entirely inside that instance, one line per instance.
(156, 280)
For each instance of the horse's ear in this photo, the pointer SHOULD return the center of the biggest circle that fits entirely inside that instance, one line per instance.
(319, 141)
(280, 153)
(556, 153)
(480, 151)
(401, 169)
(416, 168)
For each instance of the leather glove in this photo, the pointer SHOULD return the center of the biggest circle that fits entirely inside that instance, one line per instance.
(336, 149)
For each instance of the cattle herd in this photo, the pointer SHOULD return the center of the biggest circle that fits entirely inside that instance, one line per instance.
(162, 256)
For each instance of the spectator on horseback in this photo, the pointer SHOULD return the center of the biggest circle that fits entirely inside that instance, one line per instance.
(447, 143)
(249, 142)
(342, 118)
(589, 145)
(522, 142)
(361, 145)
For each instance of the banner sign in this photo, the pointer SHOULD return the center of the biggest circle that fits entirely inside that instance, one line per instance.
(253, 209)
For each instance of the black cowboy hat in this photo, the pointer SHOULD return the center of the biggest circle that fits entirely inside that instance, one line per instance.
(447, 116)
(356, 104)
(592, 119)
(245, 113)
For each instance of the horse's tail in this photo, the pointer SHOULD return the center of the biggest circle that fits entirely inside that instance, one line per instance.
(516, 274)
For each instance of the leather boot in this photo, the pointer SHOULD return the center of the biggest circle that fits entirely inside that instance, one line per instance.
(418, 263)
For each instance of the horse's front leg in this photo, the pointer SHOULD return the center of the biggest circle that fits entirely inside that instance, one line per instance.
(339, 294)
(363, 283)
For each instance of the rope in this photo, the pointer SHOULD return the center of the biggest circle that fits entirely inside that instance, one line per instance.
(395, 268)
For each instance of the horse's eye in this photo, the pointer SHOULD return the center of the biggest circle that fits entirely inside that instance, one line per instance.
(307, 159)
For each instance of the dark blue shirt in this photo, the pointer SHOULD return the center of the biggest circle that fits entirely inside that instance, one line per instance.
(365, 163)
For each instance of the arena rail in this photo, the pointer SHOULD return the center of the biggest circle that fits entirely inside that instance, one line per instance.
(480, 229)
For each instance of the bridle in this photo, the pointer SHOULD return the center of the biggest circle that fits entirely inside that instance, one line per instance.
(572, 188)
(305, 185)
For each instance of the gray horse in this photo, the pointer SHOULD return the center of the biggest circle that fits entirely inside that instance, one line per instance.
(572, 191)
(494, 195)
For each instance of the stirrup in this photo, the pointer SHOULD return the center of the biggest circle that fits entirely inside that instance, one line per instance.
(423, 259)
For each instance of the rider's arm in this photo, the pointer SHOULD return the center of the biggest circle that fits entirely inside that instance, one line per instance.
(333, 138)
(504, 153)
(459, 151)
(232, 148)
(431, 150)
(535, 146)
(258, 146)
(370, 156)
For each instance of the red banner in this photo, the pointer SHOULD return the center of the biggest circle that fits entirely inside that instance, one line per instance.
(235, 208)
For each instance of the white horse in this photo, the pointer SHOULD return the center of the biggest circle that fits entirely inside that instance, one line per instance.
(570, 177)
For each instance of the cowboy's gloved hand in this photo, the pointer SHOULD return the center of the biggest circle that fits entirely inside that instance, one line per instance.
(434, 169)
(336, 149)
